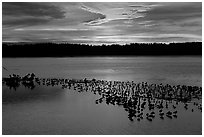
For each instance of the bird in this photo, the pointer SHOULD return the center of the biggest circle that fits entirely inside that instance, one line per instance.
(161, 114)
(192, 110)
(161, 117)
(149, 119)
(152, 112)
(169, 113)
(169, 116)
(160, 110)
(175, 112)
(175, 116)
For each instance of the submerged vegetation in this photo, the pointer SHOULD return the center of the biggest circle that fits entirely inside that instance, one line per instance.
(67, 49)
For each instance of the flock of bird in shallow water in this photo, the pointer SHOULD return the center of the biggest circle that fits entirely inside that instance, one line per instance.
(135, 98)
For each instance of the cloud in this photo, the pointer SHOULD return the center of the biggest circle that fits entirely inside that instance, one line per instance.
(27, 21)
(174, 11)
(27, 14)
(98, 18)
(32, 9)
(112, 12)
(90, 9)
(51, 29)
(102, 22)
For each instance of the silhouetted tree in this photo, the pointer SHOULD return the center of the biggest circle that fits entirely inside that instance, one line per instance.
(68, 49)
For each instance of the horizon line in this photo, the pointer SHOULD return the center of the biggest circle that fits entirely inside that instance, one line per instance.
(66, 42)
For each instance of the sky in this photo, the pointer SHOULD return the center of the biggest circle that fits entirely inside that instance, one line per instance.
(101, 22)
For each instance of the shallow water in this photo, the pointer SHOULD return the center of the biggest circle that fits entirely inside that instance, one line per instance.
(168, 70)
(53, 110)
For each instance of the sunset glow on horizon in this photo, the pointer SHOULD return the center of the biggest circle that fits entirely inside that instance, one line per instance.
(101, 22)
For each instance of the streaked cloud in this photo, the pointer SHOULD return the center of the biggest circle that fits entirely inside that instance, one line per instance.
(102, 22)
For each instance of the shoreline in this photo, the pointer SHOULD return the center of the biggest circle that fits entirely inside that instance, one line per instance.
(103, 56)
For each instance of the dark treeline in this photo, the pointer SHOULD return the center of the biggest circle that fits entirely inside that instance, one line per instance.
(67, 49)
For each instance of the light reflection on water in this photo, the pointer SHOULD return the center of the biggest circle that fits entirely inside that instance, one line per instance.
(168, 70)
(52, 110)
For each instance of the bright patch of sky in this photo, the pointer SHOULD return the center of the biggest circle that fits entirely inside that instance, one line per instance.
(102, 22)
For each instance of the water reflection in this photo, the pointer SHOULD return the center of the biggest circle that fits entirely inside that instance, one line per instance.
(14, 81)
(139, 100)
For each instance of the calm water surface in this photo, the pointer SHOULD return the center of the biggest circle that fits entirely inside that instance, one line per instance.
(52, 110)
(171, 70)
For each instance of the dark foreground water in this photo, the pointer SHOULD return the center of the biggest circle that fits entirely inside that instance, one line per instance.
(53, 110)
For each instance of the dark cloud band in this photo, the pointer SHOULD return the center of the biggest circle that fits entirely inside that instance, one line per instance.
(32, 9)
